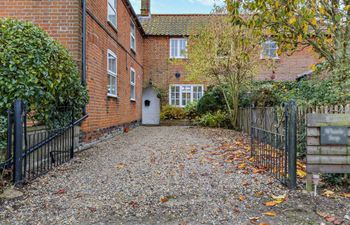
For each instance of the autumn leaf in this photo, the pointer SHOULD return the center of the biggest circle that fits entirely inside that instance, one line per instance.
(279, 197)
(314, 21)
(264, 224)
(272, 203)
(242, 166)
(120, 166)
(292, 20)
(60, 191)
(241, 198)
(328, 193)
(272, 214)
(254, 219)
(347, 195)
(163, 199)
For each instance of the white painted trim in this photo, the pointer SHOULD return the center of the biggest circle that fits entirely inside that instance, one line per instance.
(180, 93)
(111, 73)
(178, 48)
(115, 26)
(133, 84)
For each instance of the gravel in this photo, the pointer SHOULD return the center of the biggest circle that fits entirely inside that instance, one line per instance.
(163, 175)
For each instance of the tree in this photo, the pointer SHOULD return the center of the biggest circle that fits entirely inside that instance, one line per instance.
(322, 24)
(224, 55)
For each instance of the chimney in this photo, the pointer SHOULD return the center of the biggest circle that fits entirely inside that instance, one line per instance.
(145, 7)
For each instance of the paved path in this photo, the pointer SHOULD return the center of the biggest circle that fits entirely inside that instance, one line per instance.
(162, 175)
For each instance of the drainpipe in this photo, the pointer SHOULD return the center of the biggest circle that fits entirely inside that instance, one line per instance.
(83, 52)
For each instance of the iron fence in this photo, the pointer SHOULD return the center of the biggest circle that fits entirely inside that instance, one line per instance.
(273, 141)
(35, 143)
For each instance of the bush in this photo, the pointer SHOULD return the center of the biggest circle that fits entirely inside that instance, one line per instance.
(38, 70)
(172, 113)
(217, 119)
(212, 101)
(191, 110)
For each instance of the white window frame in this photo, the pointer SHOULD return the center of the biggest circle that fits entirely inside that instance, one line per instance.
(113, 74)
(263, 56)
(180, 93)
(178, 56)
(133, 84)
(112, 23)
(132, 35)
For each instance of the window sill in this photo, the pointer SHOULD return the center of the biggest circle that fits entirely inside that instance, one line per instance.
(112, 96)
(132, 100)
(270, 58)
(115, 28)
(172, 58)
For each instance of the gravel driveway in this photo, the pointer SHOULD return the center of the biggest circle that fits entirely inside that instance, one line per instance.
(162, 175)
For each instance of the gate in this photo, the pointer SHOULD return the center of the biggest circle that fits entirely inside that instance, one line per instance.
(273, 141)
(35, 147)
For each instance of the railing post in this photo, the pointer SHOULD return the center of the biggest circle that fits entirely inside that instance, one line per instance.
(9, 134)
(72, 146)
(18, 142)
(292, 157)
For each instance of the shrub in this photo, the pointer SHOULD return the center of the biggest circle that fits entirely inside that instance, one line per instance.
(172, 113)
(212, 101)
(217, 119)
(38, 70)
(191, 110)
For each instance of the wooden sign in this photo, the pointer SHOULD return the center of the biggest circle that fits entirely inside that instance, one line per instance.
(328, 143)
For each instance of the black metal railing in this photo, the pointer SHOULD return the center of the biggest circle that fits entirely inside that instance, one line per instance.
(273, 143)
(34, 145)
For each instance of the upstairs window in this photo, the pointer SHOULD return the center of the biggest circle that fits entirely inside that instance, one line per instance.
(112, 74)
(132, 84)
(112, 12)
(269, 50)
(178, 48)
(133, 36)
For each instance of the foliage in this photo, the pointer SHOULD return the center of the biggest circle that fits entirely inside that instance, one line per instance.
(212, 101)
(323, 25)
(191, 110)
(172, 113)
(225, 55)
(38, 70)
(216, 119)
(314, 92)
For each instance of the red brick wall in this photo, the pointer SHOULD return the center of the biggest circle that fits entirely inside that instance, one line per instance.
(289, 67)
(160, 68)
(105, 113)
(60, 18)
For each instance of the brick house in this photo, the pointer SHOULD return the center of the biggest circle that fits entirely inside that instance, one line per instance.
(105, 38)
(120, 53)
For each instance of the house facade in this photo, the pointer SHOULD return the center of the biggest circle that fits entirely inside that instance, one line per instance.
(120, 53)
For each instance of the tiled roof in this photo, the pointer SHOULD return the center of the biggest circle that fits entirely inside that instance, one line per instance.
(174, 25)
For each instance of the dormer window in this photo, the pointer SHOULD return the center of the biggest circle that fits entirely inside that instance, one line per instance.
(269, 50)
(112, 12)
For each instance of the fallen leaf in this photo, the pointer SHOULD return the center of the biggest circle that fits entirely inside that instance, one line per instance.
(120, 166)
(259, 194)
(328, 193)
(347, 195)
(241, 198)
(60, 192)
(163, 199)
(274, 203)
(279, 197)
(264, 224)
(254, 219)
(242, 166)
(272, 214)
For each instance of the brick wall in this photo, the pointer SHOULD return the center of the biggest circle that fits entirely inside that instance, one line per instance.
(289, 67)
(160, 68)
(60, 18)
(107, 113)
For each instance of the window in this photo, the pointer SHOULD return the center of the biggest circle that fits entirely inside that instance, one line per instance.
(132, 84)
(133, 36)
(112, 12)
(181, 95)
(178, 48)
(269, 50)
(112, 74)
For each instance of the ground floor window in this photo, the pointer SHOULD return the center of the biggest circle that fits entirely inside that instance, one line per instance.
(182, 94)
